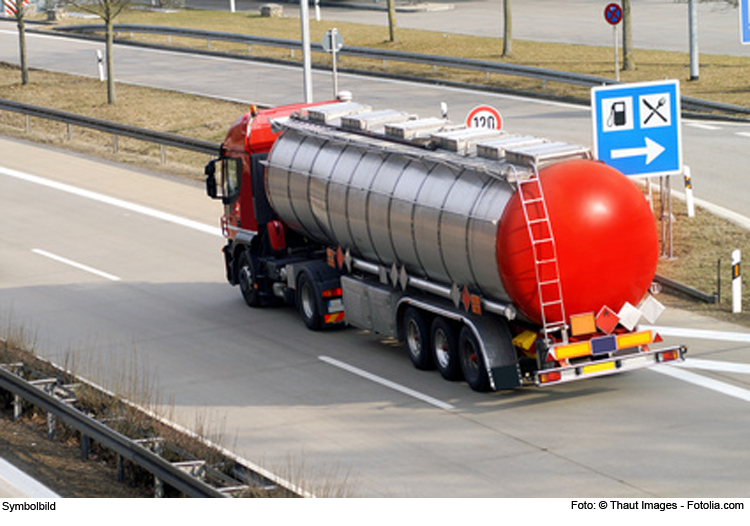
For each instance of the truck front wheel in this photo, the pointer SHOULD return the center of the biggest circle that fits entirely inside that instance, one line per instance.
(246, 278)
(472, 361)
(417, 338)
(307, 303)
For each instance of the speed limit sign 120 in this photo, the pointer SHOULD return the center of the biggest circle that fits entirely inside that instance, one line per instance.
(484, 117)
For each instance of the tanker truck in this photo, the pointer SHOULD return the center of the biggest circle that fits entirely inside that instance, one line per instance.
(499, 259)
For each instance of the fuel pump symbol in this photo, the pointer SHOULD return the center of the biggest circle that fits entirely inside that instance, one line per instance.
(617, 115)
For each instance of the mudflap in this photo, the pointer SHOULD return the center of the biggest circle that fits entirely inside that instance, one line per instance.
(499, 353)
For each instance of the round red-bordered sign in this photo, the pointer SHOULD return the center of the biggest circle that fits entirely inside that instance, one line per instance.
(613, 14)
(484, 117)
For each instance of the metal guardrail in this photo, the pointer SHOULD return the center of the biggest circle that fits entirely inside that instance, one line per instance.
(542, 74)
(107, 437)
(117, 129)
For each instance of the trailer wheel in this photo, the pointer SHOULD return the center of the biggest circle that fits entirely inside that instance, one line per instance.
(445, 349)
(307, 302)
(472, 361)
(417, 338)
(246, 274)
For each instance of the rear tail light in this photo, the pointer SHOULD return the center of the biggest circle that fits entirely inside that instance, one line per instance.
(670, 356)
(553, 376)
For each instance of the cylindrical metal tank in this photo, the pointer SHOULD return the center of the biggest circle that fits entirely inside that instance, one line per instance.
(451, 222)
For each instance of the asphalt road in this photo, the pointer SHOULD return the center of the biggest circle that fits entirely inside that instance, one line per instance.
(147, 294)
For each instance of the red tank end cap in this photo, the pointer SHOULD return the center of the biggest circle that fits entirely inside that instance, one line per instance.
(604, 232)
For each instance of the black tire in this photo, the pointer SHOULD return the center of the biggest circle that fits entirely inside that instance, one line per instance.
(246, 279)
(472, 361)
(307, 302)
(445, 349)
(417, 339)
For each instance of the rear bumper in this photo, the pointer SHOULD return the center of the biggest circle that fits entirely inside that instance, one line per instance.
(613, 365)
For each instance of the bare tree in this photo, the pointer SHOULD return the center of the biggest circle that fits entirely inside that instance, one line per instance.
(508, 29)
(107, 10)
(19, 6)
(392, 20)
(628, 63)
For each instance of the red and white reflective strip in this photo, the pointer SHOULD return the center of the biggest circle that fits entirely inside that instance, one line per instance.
(11, 6)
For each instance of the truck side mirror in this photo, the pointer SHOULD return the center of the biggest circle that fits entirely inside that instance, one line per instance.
(226, 184)
(210, 172)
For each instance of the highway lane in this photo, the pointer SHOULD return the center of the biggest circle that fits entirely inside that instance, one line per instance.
(713, 150)
(275, 389)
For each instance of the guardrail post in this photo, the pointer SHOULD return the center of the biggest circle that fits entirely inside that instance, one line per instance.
(28, 123)
(85, 446)
(120, 469)
(17, 408)
(115, 144)
(51, 424)
(70, 131)
(163, 151)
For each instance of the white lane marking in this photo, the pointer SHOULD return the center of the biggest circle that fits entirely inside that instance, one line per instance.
(113, 201)
(743, 134)
(702, 381)
(75, 264)
(741, 337)
(387, 383)
(715, 365)
(702, 126)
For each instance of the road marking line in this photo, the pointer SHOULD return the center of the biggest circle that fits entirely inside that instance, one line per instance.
(701, 334)
(743, 134)
(702, 381)
(75, 264)
(702, 126)
(715, 365)
(387, 383)
(113, 201)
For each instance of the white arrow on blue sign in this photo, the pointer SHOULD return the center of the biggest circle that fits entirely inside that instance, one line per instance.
(637, 127)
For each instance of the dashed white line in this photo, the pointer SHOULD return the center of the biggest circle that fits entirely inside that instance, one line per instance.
(387, 383)
(75, 264)
(743, 134)
(702, 126)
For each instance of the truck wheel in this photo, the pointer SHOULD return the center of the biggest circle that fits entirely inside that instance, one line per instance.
(417, 338)
(246, 273)
(307, 302)
(472, 361)
(445, 349)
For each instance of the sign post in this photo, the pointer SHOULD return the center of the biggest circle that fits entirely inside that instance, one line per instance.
(745, 21)
(613, 16)
(332, 43)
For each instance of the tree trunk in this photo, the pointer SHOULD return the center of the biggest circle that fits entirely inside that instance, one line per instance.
(20, 18)
(392, 20)
(628, 63)
(508, 29)
(111, 95)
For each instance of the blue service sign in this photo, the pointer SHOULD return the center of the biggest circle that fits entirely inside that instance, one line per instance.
(637, 127)
(744, 21)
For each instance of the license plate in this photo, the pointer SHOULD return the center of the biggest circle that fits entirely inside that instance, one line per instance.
(336, 305)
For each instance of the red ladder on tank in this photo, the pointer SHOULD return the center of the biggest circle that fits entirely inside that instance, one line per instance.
(543, 245)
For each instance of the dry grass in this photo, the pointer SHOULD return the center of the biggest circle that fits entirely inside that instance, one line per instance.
(722, 78)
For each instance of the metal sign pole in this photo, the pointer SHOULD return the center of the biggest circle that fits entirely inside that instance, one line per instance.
(304, 16)
(334, 58)
(617, 58)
